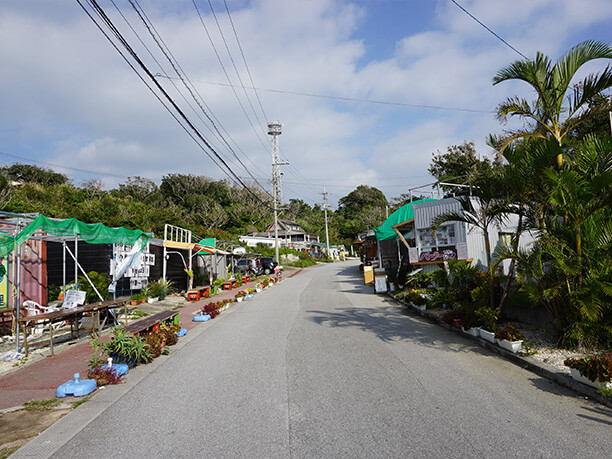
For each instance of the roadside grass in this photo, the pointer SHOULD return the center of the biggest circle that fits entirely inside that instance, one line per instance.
(81, 401)
(6, 452)
(41, 405)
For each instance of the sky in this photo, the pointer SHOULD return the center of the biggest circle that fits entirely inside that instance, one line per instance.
(366, 90)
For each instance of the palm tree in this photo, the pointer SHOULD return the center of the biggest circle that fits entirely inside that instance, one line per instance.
(552, 84)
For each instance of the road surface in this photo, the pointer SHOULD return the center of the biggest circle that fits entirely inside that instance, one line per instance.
(319, 366)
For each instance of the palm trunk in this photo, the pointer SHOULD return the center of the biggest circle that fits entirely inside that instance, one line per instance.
(490, 268)
(515, 245)
(579, 253)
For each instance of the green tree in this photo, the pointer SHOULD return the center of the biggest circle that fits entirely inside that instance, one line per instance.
(362, 209)
(27, 173)
(553, 86)
(460, 164)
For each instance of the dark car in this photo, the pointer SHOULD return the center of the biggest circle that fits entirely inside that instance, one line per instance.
(247, 266)
(267, 264)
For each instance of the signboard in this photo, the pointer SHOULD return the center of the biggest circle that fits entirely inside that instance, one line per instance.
(4, 283)
(73, 298)
(368, 274)
(413, 255)
(462, 251)
(140, 274)
(380, 283)
(437, 256)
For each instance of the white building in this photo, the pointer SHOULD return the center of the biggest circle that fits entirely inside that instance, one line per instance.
(456, 240)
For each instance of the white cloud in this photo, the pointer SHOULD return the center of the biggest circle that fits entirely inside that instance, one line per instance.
(74, 101)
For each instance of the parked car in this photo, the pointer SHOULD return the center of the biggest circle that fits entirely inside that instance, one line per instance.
(247, 266)
(268, 264)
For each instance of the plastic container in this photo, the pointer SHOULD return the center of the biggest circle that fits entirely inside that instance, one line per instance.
(201, 317)
(119, 369)
(76, 388)
(182, 332)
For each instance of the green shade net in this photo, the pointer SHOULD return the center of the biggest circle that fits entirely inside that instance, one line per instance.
(385, 231)
(88, 232)
(207, 242)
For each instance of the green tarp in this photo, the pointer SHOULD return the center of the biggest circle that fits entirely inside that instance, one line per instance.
(208, 242)
(403, 214)
(91, 233)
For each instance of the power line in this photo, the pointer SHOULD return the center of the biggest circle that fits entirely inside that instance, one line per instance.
(9, 155)
(172, 60)
(211, 153)
(353, 99)
(500, 38)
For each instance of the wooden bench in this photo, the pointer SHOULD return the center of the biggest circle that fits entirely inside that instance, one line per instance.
(71, 315)
(151, 323)
(197, 293)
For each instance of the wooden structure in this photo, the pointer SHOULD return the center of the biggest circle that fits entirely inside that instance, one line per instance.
(73, 316)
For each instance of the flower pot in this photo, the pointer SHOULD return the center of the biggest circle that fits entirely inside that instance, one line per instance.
(239, 299)
(487, 335)
(258, 290)
(121, 359)
(153, 300)
(134, 302)
(457, 323)
(584, 380)
(473, 331)
(512, 346)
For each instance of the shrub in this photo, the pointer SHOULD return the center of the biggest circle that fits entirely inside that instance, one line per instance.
(509, 333)
(212, 309)
(104, 376)
(450, 316)
(594, 368)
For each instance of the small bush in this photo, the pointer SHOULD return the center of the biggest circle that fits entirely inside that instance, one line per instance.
(594, 368)
(104, 376)
(509, 333)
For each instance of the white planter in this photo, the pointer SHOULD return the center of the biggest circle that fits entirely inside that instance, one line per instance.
(258, 290)
(512, 346)
(239, 299)
(474, 331)
(392, 287)
(422, 307)
(584, 380)
(487, 335)
(152, 300)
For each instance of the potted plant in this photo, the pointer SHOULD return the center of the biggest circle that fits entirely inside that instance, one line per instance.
(488, 319)
(258, 287)
(149, 292)
(240, 295)
(510, 338)
(594, 371)
(470, 324)
(453, 318)
(164, 287)
(124, 347)
(135, 299)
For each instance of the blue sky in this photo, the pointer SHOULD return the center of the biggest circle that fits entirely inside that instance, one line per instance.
(70, 100)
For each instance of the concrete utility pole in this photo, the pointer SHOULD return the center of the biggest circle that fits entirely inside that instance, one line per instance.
(325, 206)
(275, 129)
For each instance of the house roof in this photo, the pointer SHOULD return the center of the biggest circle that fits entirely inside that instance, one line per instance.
(401, 215)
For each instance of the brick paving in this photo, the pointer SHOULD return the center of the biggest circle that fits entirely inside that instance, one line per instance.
(38, 380)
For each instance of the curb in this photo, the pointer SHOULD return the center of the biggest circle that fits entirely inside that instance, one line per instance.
(563, 379)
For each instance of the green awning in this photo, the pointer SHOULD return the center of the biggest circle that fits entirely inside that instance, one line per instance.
(90, 233)
(385, 231)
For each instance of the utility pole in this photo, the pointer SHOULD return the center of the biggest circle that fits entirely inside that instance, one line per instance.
(325, 206)
(275, 129)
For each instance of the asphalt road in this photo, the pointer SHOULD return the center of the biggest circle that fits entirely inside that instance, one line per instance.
(319, 366)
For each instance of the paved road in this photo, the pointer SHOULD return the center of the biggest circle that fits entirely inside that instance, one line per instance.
(318, 366)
